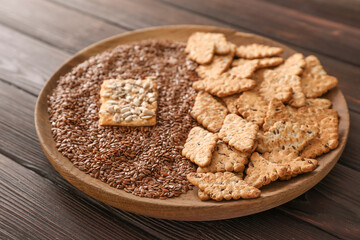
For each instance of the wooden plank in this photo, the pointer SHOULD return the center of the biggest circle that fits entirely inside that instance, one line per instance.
(283, 24)
(17, 139)
(342, 11)
(27, 62)
(123, 12)
(56, 25)
(33, 207)
(318, 205)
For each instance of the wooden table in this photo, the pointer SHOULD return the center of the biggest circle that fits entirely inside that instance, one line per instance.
(37, 36)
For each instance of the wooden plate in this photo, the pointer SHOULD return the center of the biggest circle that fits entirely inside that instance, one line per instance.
(187, 206)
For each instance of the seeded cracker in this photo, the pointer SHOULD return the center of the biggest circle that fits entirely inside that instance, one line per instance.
(286, 135)
(226, 159)
(277, 111)
(257, 51)
(218, 65)
(262, 172)
(199, 146)
(286, 88)
(231, 102)
(315, 81)
(224, 85)
(292, 66)
(252, 107)
(262, 62)
(200, 48)
(209, 112)
(221, 186)
(244, 70)
(326, 140)
(128, 102)
(239, 133)
(222, 46)
(322, 103)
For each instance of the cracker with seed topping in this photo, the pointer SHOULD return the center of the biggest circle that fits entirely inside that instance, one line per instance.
(128, 102)
(294, 65)
(226, 159)
(227, 185)
(262, 172)
(315, 81)
(296, 165)
(252, 107)
(286, 135)
(239, 133)
(277, 111)
(199, 146)
(256, 50)
(322, 103)
(245, 69)
(208, 111)
(224, 85)
(230, 102)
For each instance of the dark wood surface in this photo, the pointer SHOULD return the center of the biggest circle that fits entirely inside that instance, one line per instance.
(37, 36)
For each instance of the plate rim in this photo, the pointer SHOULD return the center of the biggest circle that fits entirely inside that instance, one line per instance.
(167, 209)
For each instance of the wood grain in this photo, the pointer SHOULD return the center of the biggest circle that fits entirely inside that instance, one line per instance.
(58, 26)
(187, 206)
(27, 213)
(283, 24)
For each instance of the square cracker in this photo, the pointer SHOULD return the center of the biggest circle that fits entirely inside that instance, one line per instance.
(286, 135)
(286, 88)
(226, 159)
(315, 81)
(199, 146)
(208, 111)
(200, 47)
(128, 102)
(225, 185)
(256, 50)
(224, 85)
(252, 107)
(239, 133)
(218, 65)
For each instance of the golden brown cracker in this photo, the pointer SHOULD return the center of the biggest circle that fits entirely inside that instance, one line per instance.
(296, 165)
(326, 140)
(225, 185)
(322, 103)
(224, 85)
(239, 133)
(199, 146)
(277, 111)
(208, 111)
(286, 88)
(230, 102)
(244, 70)
(200, 48)
(218, 65)
(256, 50)
(261, 63)
(286, 135)
(128, 102)
(261, 172)
(315, 81)
(252, 107)
(226, 159)
(222, 46)
(294, 65)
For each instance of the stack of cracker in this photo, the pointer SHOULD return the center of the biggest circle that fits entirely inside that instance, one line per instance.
(261, 117)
